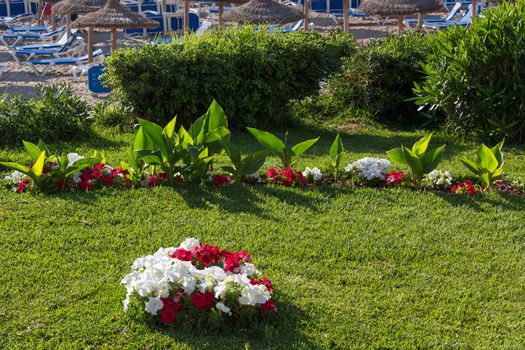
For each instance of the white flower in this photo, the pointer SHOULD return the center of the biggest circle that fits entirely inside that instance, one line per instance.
(190, 244)
(77, 177)
(439, 179)
(153, 305)
(72, 158)
(370, 168)
(254, 294)
(248, 269)
(223, 308)
(314, 173)
(255, 176)
(16, 177)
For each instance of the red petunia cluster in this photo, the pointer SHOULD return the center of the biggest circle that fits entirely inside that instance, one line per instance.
(170, 309)
(265, 281)
(212, 256)
(22, 185)
(464, 187)
(394, 178)
(204, 300)
(99, 175)
(220, 180)
(286, 177)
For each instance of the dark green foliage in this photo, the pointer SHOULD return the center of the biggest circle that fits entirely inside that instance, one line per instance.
(254, 74)
(476, 75)
(379, 78)
(108, 114)
(55, 114)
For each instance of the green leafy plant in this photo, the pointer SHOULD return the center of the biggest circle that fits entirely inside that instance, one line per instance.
(242, 167)
(49, 173)
(336, 154)
(488, 166)
(288, 155)
(420, 160)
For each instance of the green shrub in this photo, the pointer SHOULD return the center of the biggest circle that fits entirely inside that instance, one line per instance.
(253, 73)
(54, 114)
(476, 76)
(108, 114)
(379, 79)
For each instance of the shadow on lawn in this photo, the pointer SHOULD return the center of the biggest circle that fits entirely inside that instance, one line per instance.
(507, 202)
(283, 330)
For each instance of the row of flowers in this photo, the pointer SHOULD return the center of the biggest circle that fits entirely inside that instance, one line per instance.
(370, 172)
(195, 280)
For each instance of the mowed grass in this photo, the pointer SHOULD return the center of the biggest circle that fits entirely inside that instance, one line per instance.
(365, 268)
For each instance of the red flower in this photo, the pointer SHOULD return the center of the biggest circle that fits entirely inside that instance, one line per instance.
(464, 187)
(299, 175)
(269, 306)
(395, 177)
(182, 254)
(265, 281)
(59, 184)
(107, 180)
(163, 176)
(168, 315)
(152, 180)
(22, 185)
(219, 180)
(208, 255)
(203, 300)
(273, 173)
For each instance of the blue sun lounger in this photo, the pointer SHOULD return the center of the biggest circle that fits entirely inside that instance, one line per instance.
(466, 20)
(47, 46)
(8, 20)
(72, 61)
(28, 29)
(11, 39)
(293, 28)
(453, 12)
(70, 48)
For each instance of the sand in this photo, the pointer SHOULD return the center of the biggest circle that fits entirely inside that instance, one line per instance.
(18, 78)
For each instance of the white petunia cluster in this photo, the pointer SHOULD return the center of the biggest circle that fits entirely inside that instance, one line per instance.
(159, 276)
(314, 174)
(370, 169)
(72, 158)
(439, 179)
(16, 177)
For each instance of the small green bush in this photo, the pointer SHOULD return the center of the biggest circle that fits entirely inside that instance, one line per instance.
(113, 114)
(476, 76)
(379, 79)
(55, 114)
(254, 73)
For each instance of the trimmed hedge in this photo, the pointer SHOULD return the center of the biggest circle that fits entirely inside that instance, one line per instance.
(254, 73)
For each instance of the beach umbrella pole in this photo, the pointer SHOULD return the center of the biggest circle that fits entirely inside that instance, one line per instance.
(346, 17)
(113, 39)
(90, 45)
(186, 15)
(306, 14)
(400, 24)
(221, 12)
(474, 8)
(419, 22)
(39, 11)
(68, 25)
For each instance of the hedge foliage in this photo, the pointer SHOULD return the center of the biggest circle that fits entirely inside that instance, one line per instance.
(254, 73)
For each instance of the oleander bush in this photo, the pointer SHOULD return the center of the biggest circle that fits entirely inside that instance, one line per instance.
(378, 80)
(254, 73)
(54, 114)
(476, 76)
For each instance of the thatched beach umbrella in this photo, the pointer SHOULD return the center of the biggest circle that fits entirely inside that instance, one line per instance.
(264, 11)
(400, 8)
(70, 7)
(113, 16)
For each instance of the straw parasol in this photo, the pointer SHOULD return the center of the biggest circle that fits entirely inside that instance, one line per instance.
(70, 7)
(264, 11)
(113, 15)
(400, 8)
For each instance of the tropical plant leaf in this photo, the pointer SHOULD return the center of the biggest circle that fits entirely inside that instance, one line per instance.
(420, 147)
(253, 162)
(269, 140)
(396, 155)
(302, 147)
(33, 150)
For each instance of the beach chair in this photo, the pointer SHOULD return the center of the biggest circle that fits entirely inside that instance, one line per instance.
(453, 12)
(293, 28)
(9, 20)
(11, 39)
(464, 21)
(202, 28)
(72, 47)
(28, 29)
(55, 45)
(42, 66)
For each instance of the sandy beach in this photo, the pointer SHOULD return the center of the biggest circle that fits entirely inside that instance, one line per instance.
(18, 78)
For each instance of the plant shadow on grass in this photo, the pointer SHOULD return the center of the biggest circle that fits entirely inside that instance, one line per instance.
(507, 202)
(282, 330)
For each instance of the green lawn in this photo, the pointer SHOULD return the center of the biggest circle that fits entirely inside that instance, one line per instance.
(365, 268)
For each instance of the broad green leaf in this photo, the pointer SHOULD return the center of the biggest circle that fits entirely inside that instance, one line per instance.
(216, 134)
(233, 152)
(42, 146)
(198, 130)
(413, 162)
(153, 159)
(154, 132)
(217, 117)
(302, 147)
(396, 156)
(497, 151)
(142, 141)
(269, 140)
(38, 167)
(185, 137)
(432, 158)
(33, 150)
(16, 166)
(486, 159)
(229, 169)
(420, 147)
(169, 129)
(470, 165)
(336, 150)
(253, 162)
